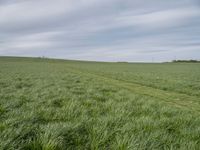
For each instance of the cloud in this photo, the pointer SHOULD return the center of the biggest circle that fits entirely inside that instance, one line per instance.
(99, 29)
(161, 19)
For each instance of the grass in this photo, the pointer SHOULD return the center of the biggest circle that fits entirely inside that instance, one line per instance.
(54, 104)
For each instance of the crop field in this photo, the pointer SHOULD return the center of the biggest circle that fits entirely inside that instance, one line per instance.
(48, 104)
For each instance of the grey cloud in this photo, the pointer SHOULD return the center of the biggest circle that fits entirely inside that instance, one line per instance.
(100, 29)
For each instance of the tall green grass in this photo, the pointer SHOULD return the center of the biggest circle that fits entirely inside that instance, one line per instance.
(53, 105)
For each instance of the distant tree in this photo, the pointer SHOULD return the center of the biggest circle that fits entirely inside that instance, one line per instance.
(186, 61)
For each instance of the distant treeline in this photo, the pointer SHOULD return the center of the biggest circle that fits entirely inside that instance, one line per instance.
(186, 61)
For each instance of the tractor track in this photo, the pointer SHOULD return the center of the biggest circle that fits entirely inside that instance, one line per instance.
(179, 100)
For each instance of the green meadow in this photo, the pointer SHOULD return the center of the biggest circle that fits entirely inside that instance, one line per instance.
(48, 104)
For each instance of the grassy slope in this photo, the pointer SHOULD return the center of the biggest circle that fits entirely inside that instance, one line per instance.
(54, 104)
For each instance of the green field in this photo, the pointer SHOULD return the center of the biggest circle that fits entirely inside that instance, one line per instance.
(55, 104)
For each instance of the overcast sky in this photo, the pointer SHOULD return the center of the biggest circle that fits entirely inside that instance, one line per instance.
(101, 30)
